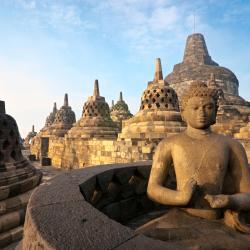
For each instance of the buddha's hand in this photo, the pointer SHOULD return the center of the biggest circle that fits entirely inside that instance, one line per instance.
(218, 201)
(187, 191)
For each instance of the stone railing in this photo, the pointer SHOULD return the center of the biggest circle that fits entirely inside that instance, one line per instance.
(60, 215)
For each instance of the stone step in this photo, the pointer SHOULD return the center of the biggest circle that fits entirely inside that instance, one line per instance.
(12, 166)
(20, 186)
(10, 236)
(14, 203)
(12, 220)
(8, 178)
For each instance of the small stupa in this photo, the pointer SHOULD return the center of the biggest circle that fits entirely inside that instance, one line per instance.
(159, 114)
(120, 111)
(18, 178)
(64, 119)
(29, 137)
(51, 118)
(95, 121)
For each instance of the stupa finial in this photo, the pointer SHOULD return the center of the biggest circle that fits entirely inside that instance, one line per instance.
(66, 102)
(120, 98)
(54, 108)
(158, 70)
(33, 128)
(96, 88)
(2, 107)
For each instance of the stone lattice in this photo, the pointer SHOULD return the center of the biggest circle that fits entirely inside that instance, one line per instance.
(64, 120)
(159, 114)
(18, 178)
(51, 118)
(95, 121)
(120, 111)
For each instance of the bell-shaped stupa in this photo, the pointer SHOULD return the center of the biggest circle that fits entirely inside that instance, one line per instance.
(159, 114)
(18, 178)
(29, 137)
(64, 119)
(95, 121)
(197, 64)
(120, 111)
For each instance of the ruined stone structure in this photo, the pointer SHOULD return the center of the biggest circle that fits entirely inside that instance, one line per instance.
(29, 137)
(120, 111)
(197, 64)
(159, 114)
(17, 179)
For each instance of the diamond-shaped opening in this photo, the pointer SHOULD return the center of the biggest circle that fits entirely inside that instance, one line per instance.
(158, 105)
(149, 105)
(5, 123)
(153, 100)
(12, 133)
(13, 155)
(166, 105)
(157, 94)
(6, 144)
(1, 156)
(162, 90)
(162, 99)
(154, 90)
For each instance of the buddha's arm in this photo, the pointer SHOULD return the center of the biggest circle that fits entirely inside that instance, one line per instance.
(238, 182)
(156, 191)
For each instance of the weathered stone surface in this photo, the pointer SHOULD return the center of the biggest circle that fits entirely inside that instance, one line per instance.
(45, 161)
(120, 111)
(95, 121)
(144, 243)
(89, 228)
(17, 178)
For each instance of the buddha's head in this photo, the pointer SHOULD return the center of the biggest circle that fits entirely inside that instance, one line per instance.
(199, 106)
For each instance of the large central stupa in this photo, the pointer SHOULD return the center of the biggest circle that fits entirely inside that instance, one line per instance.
(197, 64)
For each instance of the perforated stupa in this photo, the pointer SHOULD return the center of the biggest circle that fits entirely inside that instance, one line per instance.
(159, 114)
(18, 177)
(95, 121)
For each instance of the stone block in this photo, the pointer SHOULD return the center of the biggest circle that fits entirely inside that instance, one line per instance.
(128, 209)
(113, 211)
(46, 161)
(32, 157)
(87, 188)
(124, 175)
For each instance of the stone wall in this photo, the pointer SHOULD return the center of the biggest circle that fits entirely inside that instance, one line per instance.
(78, 153)
(84, 226)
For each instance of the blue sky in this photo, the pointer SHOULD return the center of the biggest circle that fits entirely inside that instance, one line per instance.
(49, 47)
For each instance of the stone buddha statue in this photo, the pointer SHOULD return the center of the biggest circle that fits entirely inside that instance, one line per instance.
(212, 172)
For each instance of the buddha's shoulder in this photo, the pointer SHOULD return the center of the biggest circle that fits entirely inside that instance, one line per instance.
(173, 139)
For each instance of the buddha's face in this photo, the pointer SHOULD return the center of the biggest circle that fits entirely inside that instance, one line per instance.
(200, 112)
